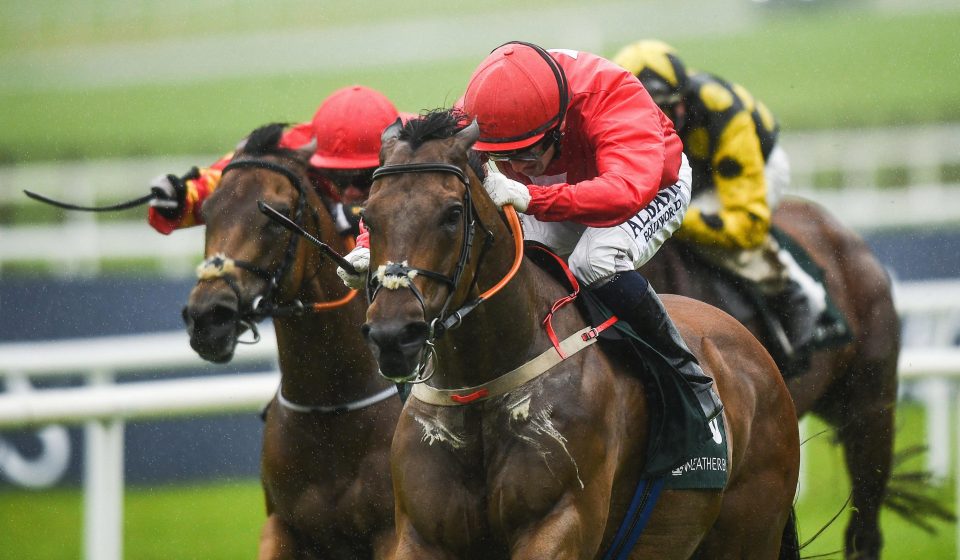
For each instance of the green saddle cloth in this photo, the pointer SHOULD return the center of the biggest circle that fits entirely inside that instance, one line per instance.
(682, 445)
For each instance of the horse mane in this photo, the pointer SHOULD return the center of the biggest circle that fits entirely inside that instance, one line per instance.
(265, 141)
(440, 124)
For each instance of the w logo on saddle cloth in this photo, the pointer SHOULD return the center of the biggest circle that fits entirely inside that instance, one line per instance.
(708, 467)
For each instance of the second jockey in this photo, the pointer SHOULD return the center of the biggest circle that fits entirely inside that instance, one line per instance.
(739, 173)
(346, 126)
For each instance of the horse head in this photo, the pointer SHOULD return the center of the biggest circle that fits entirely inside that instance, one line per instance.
(428, 217)
(253, 267)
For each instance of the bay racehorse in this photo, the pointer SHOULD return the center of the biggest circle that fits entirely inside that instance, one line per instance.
(852, 386)
(545, 468)
(326, 438)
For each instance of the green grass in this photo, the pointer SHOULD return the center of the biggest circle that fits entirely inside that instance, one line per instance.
(815, 69)
(222, 521)
(207, 522)
(191, 119)
(844, 70)
(828, 488)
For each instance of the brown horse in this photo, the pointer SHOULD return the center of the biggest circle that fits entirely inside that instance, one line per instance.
(854, 386)
(327, 433)
(544, 468)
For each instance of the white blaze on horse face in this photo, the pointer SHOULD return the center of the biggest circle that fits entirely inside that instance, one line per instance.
(541, 425)
(435, 432)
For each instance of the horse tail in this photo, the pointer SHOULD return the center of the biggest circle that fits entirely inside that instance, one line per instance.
(790, 541)
(912, 495)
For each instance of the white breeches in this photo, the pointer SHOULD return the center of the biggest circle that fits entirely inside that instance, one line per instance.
(777, 174)
(595, 254)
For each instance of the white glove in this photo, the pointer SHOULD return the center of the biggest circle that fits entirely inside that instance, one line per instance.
(360, 259)
(165, 189)
(505, 191)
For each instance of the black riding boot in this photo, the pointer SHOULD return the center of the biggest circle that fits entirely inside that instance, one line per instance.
(631, 298)
(792, 307)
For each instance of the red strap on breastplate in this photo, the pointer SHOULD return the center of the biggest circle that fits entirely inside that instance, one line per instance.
(548, 320)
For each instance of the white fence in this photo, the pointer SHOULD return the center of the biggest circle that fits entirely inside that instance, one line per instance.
(103, 407)
(926, 155)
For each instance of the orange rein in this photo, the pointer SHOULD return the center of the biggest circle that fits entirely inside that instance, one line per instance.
(517, 230)
(350, 243)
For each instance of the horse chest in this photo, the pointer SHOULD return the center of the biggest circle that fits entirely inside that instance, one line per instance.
(499, 469)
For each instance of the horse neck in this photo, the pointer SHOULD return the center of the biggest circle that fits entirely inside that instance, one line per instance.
(322, 356)
(504, 331)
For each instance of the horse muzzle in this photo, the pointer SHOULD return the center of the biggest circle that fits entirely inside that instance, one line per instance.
(214, 329)
(398, 346)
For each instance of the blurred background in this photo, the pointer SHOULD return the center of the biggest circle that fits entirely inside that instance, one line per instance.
(99, 96)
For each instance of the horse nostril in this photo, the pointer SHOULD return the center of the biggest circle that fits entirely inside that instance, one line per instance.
(205, 317)
(413, 334)
(221, 315)
(397, 336)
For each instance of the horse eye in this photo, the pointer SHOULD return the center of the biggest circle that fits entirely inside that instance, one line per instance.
(273, 224)
(454, 215)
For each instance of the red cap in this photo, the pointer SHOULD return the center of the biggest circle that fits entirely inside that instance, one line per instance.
(348, 125)
(515, 96)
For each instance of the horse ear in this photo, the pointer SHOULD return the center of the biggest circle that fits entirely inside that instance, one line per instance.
(466, 137)
(391, 131)
(389, 137)
(306, 152)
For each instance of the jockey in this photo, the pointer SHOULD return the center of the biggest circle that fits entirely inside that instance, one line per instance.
(347, 128)
(739, 173)
(599, 172)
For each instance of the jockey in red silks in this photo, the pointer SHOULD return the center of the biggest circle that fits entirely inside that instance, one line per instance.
(347, 128)
(597, 169)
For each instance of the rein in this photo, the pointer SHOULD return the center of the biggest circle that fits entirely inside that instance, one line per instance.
(110, 208)
(393, 276)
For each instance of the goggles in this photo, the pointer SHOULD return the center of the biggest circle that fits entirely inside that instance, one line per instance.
(344, 178)
(533, 153)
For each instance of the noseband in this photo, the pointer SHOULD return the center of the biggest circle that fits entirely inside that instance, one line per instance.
(223, 267)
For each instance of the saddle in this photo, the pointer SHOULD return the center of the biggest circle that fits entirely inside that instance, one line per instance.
(745, 301)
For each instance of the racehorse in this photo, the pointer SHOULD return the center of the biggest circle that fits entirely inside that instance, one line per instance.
(852, 386)
(324, 465)
(543, 468)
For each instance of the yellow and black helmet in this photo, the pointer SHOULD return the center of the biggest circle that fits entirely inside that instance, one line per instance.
(658, 67)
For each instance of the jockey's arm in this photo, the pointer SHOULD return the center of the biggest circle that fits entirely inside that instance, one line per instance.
(201, 184)
(743, 220)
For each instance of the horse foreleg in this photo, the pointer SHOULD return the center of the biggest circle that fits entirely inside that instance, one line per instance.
(559, 536)
(867, 439)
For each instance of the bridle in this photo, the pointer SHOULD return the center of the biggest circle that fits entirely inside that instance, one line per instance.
(394, 276)
(222, 267)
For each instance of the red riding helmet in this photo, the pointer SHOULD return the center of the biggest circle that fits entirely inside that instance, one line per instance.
(348, 125)
(518, 94)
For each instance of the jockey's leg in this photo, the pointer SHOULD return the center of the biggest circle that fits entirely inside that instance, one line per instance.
(606, 259)
(799, 303)
(632, 299)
